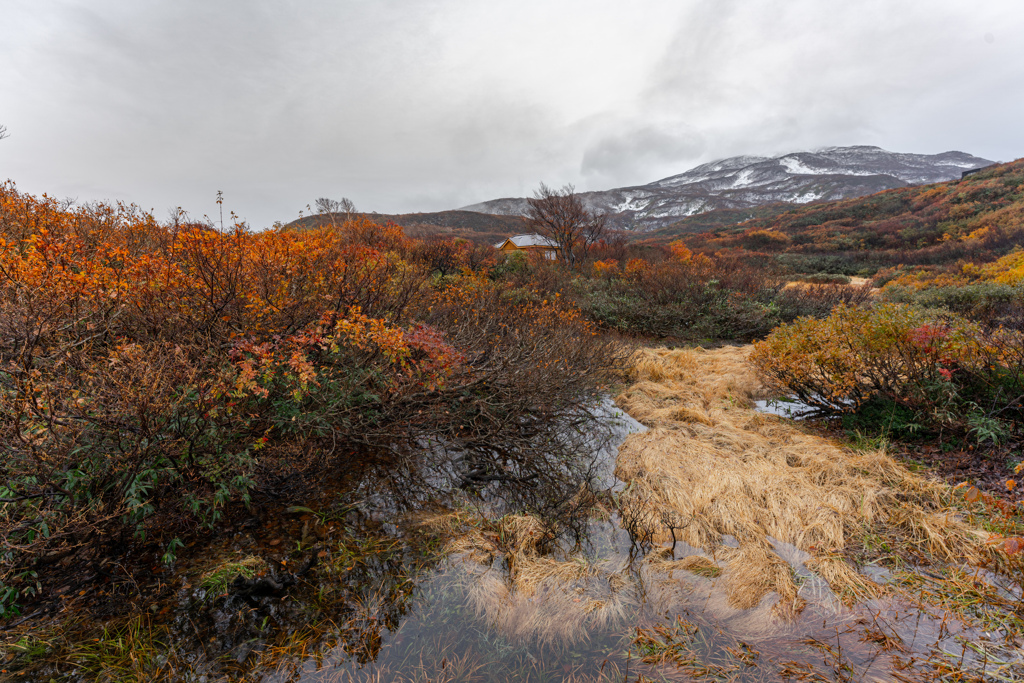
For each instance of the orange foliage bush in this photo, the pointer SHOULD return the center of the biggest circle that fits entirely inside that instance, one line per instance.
(156, 372)
(679, 251)
(949, 371)
(605, 269)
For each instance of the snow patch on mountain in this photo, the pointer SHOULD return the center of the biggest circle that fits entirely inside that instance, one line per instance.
(630, 203)
(745, 181)
(745, 178)
(808, 197)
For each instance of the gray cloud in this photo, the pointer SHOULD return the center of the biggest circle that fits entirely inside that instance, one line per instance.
(413, 105)
(639, 153)
(777, 76)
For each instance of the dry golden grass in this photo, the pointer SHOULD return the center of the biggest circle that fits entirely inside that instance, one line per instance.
(552, 601)
(711, 466)
(541, 598)
(855, 282)
(660, 562)
(753, 501)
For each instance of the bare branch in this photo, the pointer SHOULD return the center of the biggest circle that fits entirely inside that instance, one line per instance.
(330, 207)
(561, 216)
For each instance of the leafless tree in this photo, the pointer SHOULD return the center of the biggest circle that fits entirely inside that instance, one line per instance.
(3, 132)
(330, 207)
(561, 216)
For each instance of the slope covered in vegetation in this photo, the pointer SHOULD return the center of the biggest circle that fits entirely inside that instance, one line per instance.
(978, 218)
(479, 228)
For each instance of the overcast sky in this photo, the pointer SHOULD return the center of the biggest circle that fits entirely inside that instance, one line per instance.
(421, 105)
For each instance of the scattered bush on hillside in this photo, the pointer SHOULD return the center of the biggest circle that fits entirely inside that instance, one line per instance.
(839, 264)
(992, 293)
(670, 291)
(990, 303)
(769, 240)
(686, 296)
(948, 373)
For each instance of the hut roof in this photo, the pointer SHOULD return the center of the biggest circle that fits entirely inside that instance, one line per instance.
(532, 240)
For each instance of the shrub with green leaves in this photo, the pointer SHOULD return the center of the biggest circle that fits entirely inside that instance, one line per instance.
(988, 302)
(949, 373)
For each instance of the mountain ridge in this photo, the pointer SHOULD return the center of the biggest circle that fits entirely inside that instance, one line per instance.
(977, 218)
(739, 182)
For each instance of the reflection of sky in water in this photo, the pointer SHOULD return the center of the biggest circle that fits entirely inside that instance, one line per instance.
(791, 407)
(619, 425)
(784, 407)
(450, 635)
(467, 622)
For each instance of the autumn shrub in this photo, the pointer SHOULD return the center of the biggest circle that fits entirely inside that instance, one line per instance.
(512, 265)
(120, 348)
(532, 272)
(519, 409)
(949, 373)
(687, 296)
(448, 256)
(152, 375)
(764, 239)
(839, 264)
(827, 279)
(818, 300)
(991, 303)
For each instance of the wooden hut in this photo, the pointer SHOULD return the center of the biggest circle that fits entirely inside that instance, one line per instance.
(531, 244)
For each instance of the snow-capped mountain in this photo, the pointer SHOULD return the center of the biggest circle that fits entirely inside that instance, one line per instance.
(739, 182)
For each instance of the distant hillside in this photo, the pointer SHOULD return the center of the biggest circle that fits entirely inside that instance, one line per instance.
(977, 218)
(746, 181)
(471, 225)
(719, 219)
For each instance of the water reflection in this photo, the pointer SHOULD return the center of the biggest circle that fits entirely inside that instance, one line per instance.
(786, 407)
(466, 590)
(601, 611)
(619, 618)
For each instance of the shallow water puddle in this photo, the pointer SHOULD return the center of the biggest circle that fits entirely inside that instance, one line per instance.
(607, 611)
(785, 407)
(391, 602)
(633, 616)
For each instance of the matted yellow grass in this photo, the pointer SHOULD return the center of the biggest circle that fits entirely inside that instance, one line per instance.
(713, 467)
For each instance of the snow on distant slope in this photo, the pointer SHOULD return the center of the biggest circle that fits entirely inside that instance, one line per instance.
(739, 182)
(795, 167)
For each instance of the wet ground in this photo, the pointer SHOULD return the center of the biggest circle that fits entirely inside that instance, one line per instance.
(390, 598)
(988, 466)
(673, 625)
